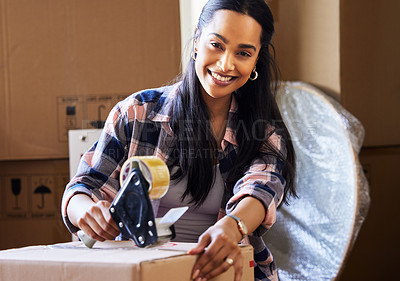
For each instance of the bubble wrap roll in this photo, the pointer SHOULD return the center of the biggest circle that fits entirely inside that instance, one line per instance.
(314, 234)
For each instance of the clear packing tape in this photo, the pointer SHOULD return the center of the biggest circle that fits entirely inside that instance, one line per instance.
(315, 233)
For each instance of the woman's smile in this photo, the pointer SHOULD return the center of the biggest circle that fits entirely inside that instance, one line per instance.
(221, 79)
(227, 51)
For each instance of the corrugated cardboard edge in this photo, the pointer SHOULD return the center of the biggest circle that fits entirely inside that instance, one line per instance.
(66, 271)
(174, 268)
(180, 268)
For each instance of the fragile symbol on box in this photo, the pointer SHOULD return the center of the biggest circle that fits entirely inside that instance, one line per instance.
(16, 196)
(16, 190)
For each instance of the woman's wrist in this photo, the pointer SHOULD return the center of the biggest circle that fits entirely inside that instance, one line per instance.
(231, 227)
(77, 206)
(240, 225)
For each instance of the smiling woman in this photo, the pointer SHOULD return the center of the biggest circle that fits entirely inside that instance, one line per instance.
(220, 132)
(226, 53)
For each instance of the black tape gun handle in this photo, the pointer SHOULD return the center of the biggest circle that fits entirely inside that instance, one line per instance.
(132, 210)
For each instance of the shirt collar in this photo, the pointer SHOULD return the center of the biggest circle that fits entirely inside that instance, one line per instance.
(163, 110)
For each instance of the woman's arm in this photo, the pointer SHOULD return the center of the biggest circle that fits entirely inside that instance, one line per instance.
(256, 197)
(93, 218)
(222, 241)
(97, 179)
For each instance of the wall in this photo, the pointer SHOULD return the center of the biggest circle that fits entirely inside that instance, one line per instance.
(189, 14)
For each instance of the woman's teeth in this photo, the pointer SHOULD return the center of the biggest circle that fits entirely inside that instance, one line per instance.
(220, 78)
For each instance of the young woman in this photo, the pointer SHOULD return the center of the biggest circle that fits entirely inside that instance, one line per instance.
(220, 133)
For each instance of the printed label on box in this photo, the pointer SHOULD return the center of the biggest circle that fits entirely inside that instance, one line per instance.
(43, 195)
(98, 108)
(17, 196)
(84, 112)
(70, 115)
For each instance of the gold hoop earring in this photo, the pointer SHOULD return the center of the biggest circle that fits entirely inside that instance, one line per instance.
(255, 74)
(194, 55)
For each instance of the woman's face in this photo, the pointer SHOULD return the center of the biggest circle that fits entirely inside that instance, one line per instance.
(227, 52)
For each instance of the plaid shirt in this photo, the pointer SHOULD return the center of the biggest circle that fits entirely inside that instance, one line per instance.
(139, 126)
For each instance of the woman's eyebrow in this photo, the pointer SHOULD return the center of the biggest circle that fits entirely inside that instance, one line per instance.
(226, 41)
(247, 46)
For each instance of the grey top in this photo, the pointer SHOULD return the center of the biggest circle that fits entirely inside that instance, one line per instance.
(196, 220)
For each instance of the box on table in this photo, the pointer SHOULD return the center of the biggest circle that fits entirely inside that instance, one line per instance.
(110, 260)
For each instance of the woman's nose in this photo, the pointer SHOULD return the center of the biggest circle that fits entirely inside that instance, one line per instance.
(226, 62)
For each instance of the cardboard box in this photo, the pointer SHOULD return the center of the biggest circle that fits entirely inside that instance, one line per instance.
(65, 63)
(370, 60)
(30, 202)
(307, 41)
(378, 242)
(110, 260)
(348, 49)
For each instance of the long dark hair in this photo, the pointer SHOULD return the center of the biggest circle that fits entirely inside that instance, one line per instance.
(257, 113)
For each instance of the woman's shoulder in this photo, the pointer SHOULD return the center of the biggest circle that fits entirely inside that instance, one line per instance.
(152, 95)
(147, 99)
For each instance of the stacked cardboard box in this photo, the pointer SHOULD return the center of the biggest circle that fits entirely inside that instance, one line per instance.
(111, 260)
(64, 64)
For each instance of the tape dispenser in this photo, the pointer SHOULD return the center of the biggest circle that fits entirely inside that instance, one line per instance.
(142, 179)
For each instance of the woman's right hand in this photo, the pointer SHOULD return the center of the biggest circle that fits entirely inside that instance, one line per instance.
(92, 218)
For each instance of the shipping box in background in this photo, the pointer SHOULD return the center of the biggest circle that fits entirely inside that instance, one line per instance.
(30, 202)
(65, 63)
(111, 260)
(349, 49)
(376, 252)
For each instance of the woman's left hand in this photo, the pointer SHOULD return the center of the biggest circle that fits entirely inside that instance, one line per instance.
(223, 251)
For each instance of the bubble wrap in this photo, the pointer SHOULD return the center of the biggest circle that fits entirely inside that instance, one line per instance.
(314, 234)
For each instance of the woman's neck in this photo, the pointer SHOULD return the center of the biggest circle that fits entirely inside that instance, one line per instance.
(218, 109)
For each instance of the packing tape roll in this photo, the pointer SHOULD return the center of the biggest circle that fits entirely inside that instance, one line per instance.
(154, 170)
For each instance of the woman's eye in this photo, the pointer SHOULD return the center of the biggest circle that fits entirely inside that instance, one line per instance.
(216, 45)
(244, 54)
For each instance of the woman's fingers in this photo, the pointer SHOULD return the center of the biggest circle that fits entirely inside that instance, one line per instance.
(110, 226)
(213, 260)
(98, 223)
(215, 254)
(90, 229)
(229, 255)
(235, 260)
(204, 241)
(239, 267)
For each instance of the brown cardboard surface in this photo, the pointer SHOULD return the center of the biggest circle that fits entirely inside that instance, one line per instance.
(110, 260)
(65, 63)
(370, 60)
(378, 242)
(29, 216)
(4, 86)
(349, 50)
(307, 42)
